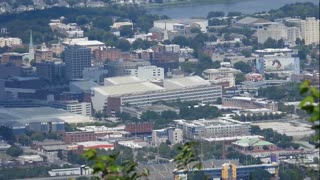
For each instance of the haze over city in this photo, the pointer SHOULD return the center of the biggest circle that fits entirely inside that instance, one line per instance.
(159, 89)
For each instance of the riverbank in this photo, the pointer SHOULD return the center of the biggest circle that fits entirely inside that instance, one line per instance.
(187, 3)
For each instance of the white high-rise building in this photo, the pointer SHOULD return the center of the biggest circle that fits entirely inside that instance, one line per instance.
(293, 34)
(310, 30)
(275, 31)
(147, 73)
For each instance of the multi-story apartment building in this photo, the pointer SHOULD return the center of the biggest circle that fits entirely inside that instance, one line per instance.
(310, 30)
(76, 58)
(9, 42)
(215, 128)
(83, 108)
(103, 54)
(173, 135)
(147, 73)
(275, 31)
(293, 34)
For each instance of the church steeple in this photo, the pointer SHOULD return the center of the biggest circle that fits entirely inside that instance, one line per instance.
(31, 47)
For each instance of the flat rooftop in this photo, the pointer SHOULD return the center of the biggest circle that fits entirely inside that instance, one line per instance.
(185, 82)
(38, 114)
(122, 80)
(123, 89)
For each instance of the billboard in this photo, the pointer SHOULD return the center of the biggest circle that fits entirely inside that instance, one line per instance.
(282, 64)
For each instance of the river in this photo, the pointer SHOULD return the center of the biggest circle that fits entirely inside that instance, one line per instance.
(245, 6)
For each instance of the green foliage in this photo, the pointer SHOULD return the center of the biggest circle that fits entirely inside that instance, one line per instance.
(126, 31)
(205, 62)
(7, 134)
(243, 159)
(260, 174)
(37, 21)
(75, 158)
(107, 166)
(215, 14)
(234, 13)
(191, 113)
(14, 151)
(302, 10)
(243, 67)
(311, 105)
(289, 92)
(239, 78)
(164, 150)
(187, 156)
(219, 100)
(22, 173)
(292, 173)
(271, 43)
(124, 45)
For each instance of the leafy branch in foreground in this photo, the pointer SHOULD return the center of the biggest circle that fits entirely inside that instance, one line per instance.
(187, 159)
(311, 105)
(106, 165)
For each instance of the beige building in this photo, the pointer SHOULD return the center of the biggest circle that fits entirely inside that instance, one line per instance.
(275, 31)
(43, 54)
(310, 30)
(10, 41)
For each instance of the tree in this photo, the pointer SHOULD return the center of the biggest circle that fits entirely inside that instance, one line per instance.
(219, 100)
(7, 134)
(14, 151)
(24, 140)
(180, 40)
(186, 157)
(234, 13)
(246, 52)
(215, 14)
(270, 43)
(195, 30)
(126, 31)
(164, 150)
(312, 106)
(250, 148)
(124, 45)
(240, 78)
(82, 20)
(150, 116)
(169, 115)
(60, 154)
(260, 174)
(243, 67)
(109, 169)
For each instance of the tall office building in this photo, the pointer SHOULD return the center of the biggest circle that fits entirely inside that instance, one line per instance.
(76, 58)
(310, 30)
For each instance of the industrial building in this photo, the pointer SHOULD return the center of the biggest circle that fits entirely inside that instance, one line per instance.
(192, 88)
(250, 103)
(41, 119)
(181, 24)
(214, 128)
